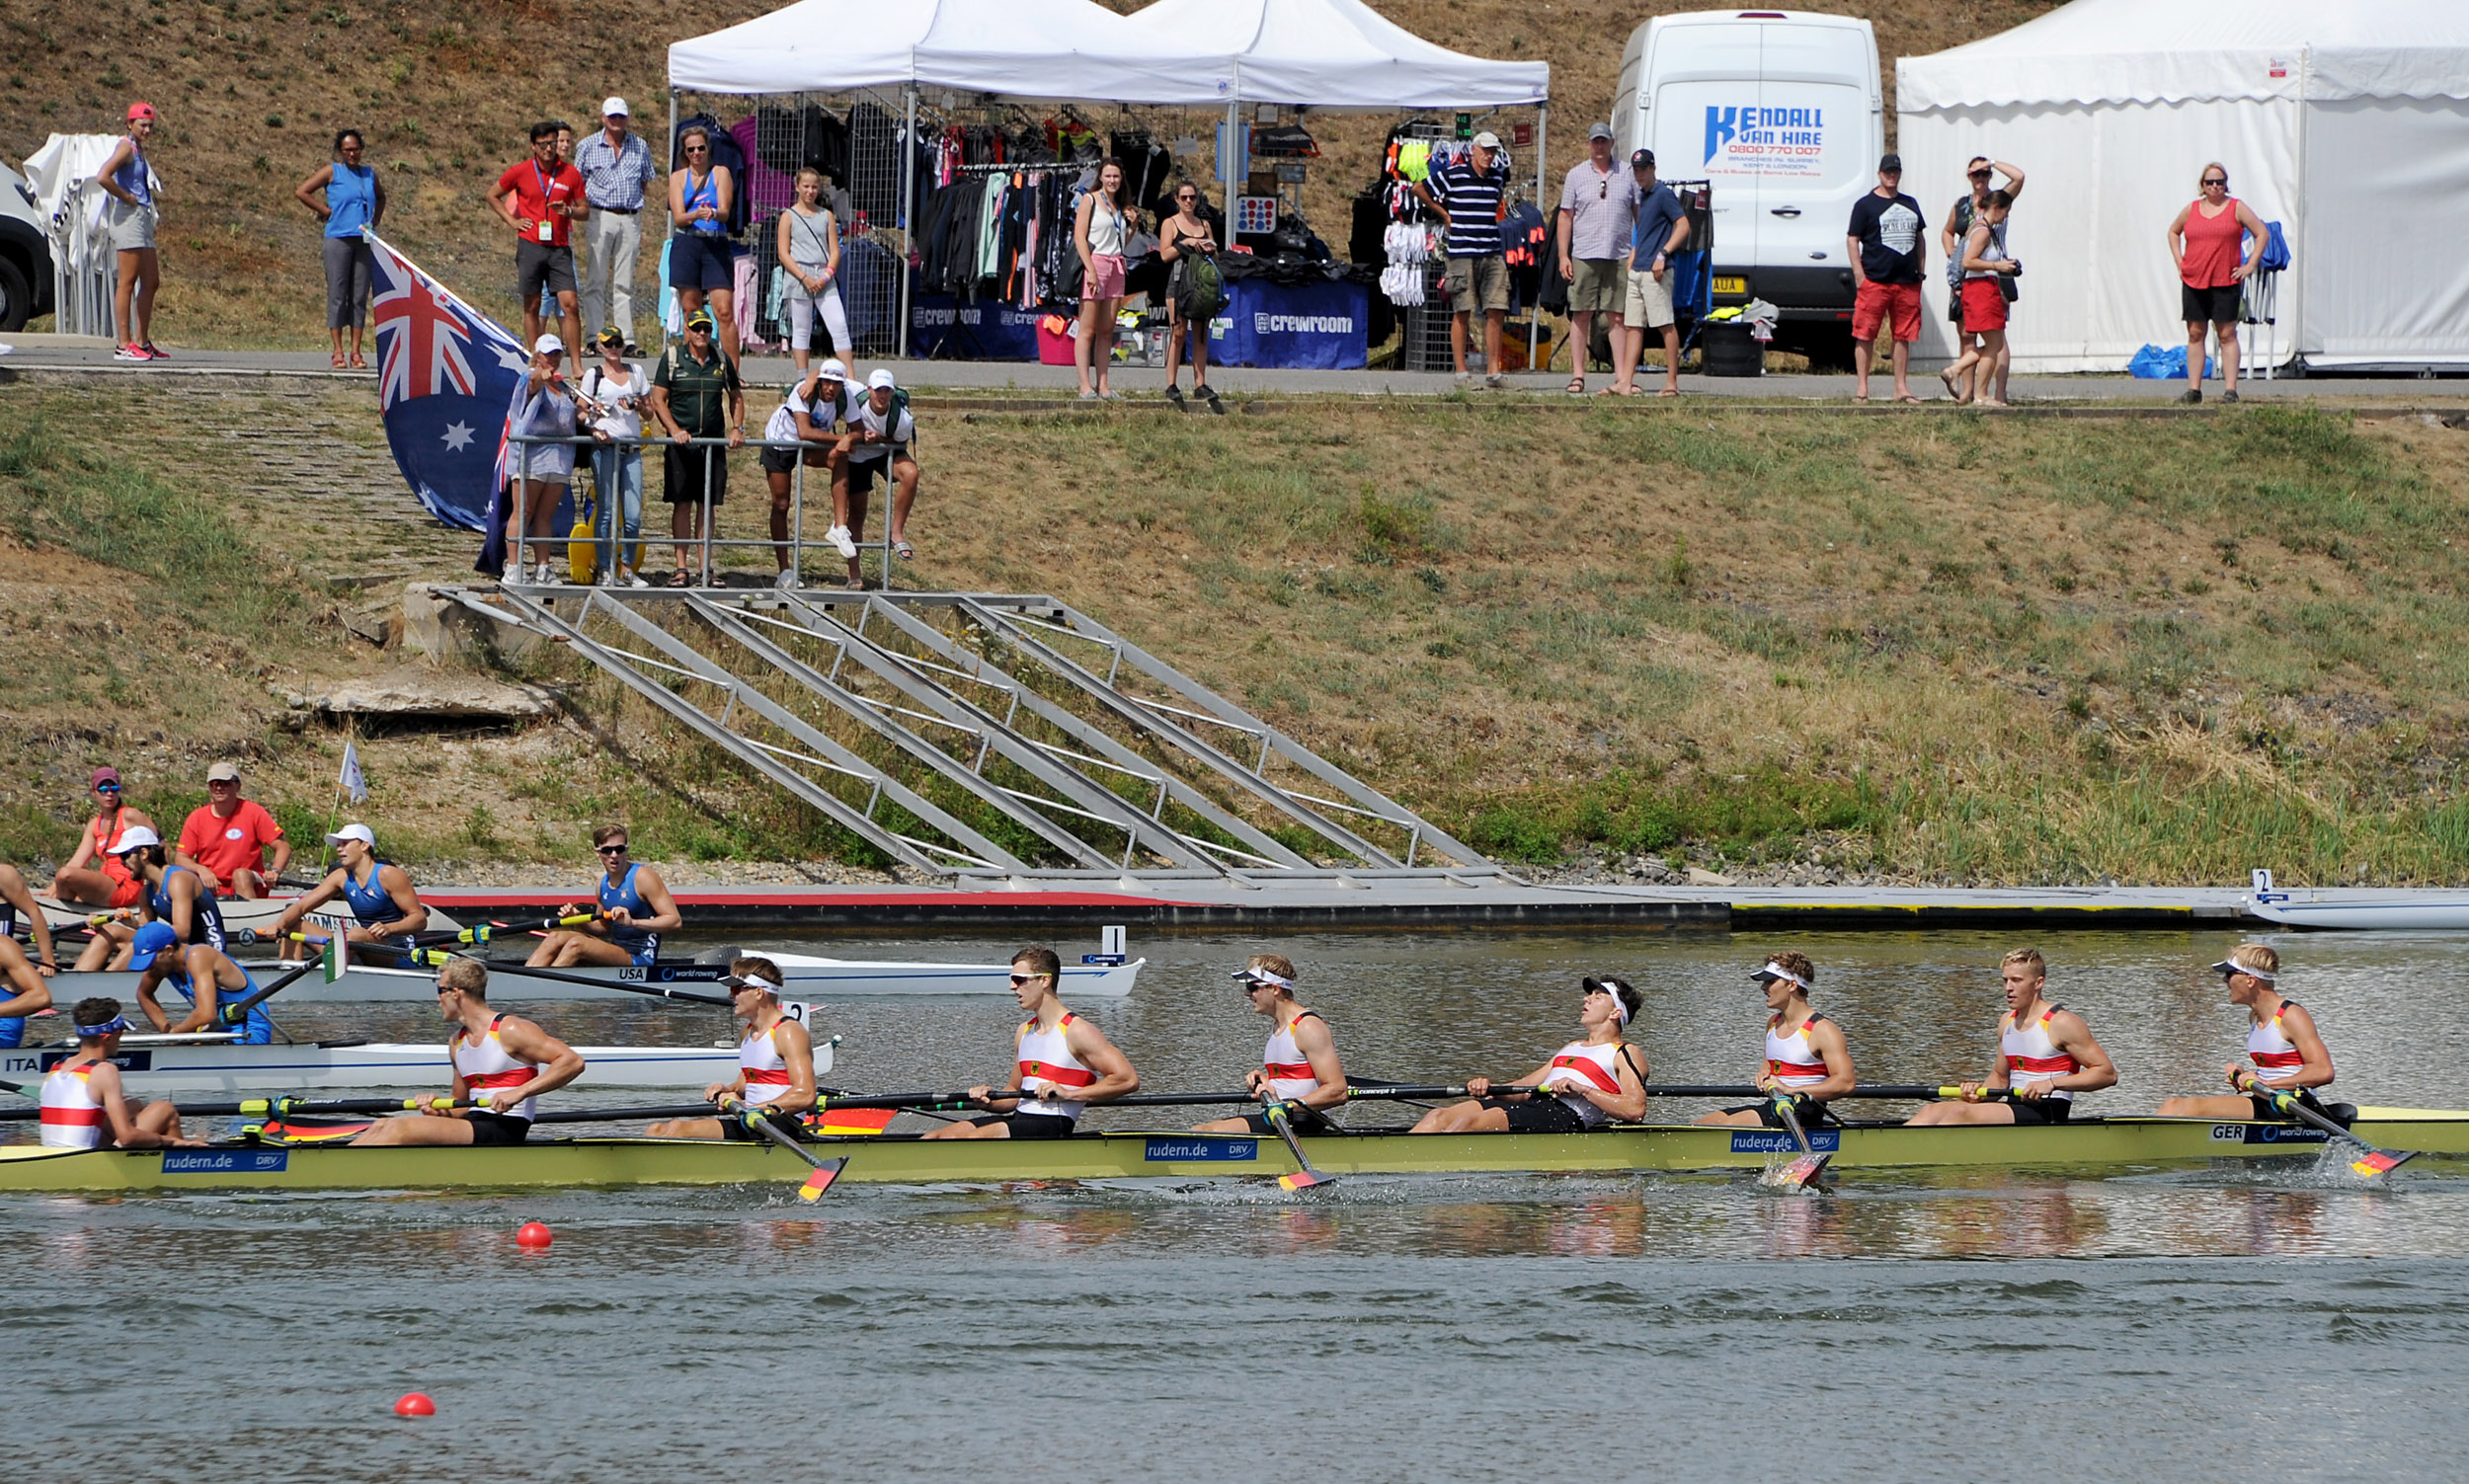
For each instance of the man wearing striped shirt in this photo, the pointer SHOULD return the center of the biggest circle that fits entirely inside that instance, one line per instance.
(1466, 194)
(615, 165)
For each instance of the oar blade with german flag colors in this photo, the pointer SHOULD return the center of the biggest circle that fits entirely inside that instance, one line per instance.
(1305, 1175)
(2376, 1162)
(2371, 1163)
(1803, 1172)
(825, 1170)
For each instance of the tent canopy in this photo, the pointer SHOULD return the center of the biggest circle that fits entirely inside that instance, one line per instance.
(1335, 55)
(2166, 52)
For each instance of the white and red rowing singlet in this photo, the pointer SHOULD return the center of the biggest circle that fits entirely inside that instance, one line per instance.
(1595, 1066)
(1047, 1066)
(2273, 1054)
(71, 1117)
(2030, 1055)
(1288, 1070)
(1792, 1061)
(485, 1065)
(765, 1070)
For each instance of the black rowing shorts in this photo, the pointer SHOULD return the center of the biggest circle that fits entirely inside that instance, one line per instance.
(1812, 1115)
(1299, 1118)
(735, 1130)
(1539, 1115)
(2266, 1113)
(1031, 1125)
(495, 1128)
(2030, 1110)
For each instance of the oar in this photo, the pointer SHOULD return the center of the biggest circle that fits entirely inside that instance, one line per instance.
(1305, 1177)
(234, 1014)
(2366, 1167)
(1802, 1172)
(825, 1170)
(435, 938)
(271, 1106)
(432, 957)
(1411, 1091)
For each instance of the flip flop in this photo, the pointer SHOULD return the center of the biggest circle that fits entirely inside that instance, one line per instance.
(1667, 392)
(678, 579)
(1908, 397)
(903, 551)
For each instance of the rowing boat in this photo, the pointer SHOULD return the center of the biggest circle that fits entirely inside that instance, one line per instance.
(806, 974)
(2117, 1143)
(2359, 911)
(154, 1067)
(239, 914)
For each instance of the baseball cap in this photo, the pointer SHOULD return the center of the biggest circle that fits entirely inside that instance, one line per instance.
(882, 377)
(360, 832)
(1599, 131)
(831, 369)
(103, 776)
(222, 772)
(140, 109)
(700, 318)
(548, 344)
(1890, 165)
(616, 106)
(134, 837)
(152, 939)
(1488, 139)
(1643, 159)
(612, 336)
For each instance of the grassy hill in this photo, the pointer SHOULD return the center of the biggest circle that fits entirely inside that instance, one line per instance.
(252, 91)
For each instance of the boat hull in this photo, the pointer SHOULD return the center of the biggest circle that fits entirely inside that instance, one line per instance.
(2433, 916)
(248, 1071)
(807, 977)
(2104, 1144)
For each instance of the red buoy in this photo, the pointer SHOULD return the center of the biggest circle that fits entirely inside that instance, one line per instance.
(415, 1404)
(534, 1235)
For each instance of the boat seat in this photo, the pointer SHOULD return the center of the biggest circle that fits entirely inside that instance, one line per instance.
(2344, 1113)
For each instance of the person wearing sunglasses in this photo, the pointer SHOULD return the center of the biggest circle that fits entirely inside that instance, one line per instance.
(2211, 277)
(1299, 1067)
(1598, 210)
(94, 876)
(702, 265)
(351, 200)
(1183, 239)
(1950, 239)
(1062, 1061)
(633, 909)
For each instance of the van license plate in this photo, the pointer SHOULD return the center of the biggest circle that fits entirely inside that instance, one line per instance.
(1731, 285)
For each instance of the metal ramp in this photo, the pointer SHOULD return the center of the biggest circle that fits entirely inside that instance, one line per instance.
(990, 735)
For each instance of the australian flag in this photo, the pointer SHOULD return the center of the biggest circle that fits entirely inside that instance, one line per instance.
(447, 376)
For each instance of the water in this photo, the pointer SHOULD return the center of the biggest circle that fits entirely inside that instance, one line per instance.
(2220, 1322)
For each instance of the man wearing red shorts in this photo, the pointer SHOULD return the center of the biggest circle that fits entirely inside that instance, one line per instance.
(1886, 250)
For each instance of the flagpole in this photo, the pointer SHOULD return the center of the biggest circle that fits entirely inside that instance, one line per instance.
(343, 784)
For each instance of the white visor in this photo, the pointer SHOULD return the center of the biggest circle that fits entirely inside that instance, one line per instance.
(2227, 967)
(1774, 971)
(1264, 977)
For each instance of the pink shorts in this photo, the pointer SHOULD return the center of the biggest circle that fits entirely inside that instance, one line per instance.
(1107, 281)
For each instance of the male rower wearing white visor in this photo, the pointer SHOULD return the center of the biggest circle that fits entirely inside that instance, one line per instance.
(1806, 1058)
(775, 1063)
(2281, 1042)
(1588, 1083)
(1064, 1062)
(2045, 1057)
(83, 1106)
(1299, 1067)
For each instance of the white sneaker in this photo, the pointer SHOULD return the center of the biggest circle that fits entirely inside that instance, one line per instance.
(633, 579)
(547, 575)
(609, 579)
(843, 542)
(786, 581)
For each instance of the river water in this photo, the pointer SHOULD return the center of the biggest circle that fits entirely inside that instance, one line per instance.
(2210, 1323)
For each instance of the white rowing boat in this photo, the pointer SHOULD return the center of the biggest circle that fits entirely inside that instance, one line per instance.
(154, 1067)
(2422, 912)
(239, 916)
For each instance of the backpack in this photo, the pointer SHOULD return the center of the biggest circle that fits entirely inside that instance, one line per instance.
(850, 397)
(1204, 286)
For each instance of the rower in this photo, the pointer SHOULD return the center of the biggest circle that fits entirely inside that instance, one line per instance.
(1591, 1082)
(82, 1104)
(1300, 1065)
(2281, 1042)
(385, 909)
(207, 975)
(1063, 1061)
(1807, 1061)
(775, 1063)
(635, 908)
(170, 894)
(502, 1062)
(25, 979)
(2045, 1056)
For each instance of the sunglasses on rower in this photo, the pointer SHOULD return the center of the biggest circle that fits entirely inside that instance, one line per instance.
(610, 849)
(1022, 978)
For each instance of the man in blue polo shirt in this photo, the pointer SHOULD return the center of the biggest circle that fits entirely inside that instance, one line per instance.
(1661, 229)
(1466, 196)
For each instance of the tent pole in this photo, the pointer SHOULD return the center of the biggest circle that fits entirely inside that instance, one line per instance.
(908, 212)
(1533, 311)
(659, 259)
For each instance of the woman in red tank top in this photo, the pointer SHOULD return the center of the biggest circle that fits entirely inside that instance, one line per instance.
(2203, 243)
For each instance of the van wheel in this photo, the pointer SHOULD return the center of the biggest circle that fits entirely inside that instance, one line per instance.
(17, 300)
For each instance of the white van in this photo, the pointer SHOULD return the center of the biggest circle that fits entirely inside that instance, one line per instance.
(1782, 110)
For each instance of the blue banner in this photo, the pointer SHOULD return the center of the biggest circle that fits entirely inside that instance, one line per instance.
(943, 327)
(1308, 326)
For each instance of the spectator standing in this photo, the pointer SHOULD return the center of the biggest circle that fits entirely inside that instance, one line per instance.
(1660, 229)
(547, 200)
(1598, 216)
(1471, 189)
(1950, 239)
(227, 838)
(808, 247)
(1987, 272)
(615, 392)
(880, 432)
(703, 267)
(129, 216)
(94, 876)
(549, 411)
(1884, 245)
(1183, 240)
(2203, 243)
(616, 167)
(1101, 232)
(696, 394)
(349, 198)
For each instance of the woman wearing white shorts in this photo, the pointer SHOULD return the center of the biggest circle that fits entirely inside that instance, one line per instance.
(810, 252)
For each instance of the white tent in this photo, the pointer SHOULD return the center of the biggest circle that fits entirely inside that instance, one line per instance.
(1336, 55)
(2344, 120)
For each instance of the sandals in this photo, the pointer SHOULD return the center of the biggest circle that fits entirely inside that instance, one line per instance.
(1576, 386)
(678, 579)
(358, 365)
(903, 551)
(338, 360)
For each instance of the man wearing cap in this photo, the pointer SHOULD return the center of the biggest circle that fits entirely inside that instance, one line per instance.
(696, 393)
(1588, 1083)
(546, 200)
(26, 981)
(83, 1106)
(776, 1077)
(503, 1063)
(2286, 1053)
(94, 876)
(1887, 251)
(1807, 1062)
(170, 894)
(385, 909)
(1661, 230)
(1598, 210)
(805, 418)
(1470, 190)
(207, 975)
(1300, 1067)
(880, 430)
(227, 838)
(549, 412)
(615, 165)
(2046, 1054)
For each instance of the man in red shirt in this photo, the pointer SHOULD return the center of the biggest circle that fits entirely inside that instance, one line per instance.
(226, 838)
(546, 196)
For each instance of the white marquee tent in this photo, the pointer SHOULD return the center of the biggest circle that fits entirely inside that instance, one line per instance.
(2344, 120)
(1335, 55)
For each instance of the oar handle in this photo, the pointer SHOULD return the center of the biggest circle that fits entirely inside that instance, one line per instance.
(275, 1107)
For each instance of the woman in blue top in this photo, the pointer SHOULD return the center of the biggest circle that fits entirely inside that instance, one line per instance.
(385, 909)
(702, 265)
(129, 216)
(348, 196)
(634, 909)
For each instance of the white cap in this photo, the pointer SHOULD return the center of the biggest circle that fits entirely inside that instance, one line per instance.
(360, 832)
(832, 369)
(548, 344)
(1488, 139)
(882, 377)
(134, 837)
(616, 106)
